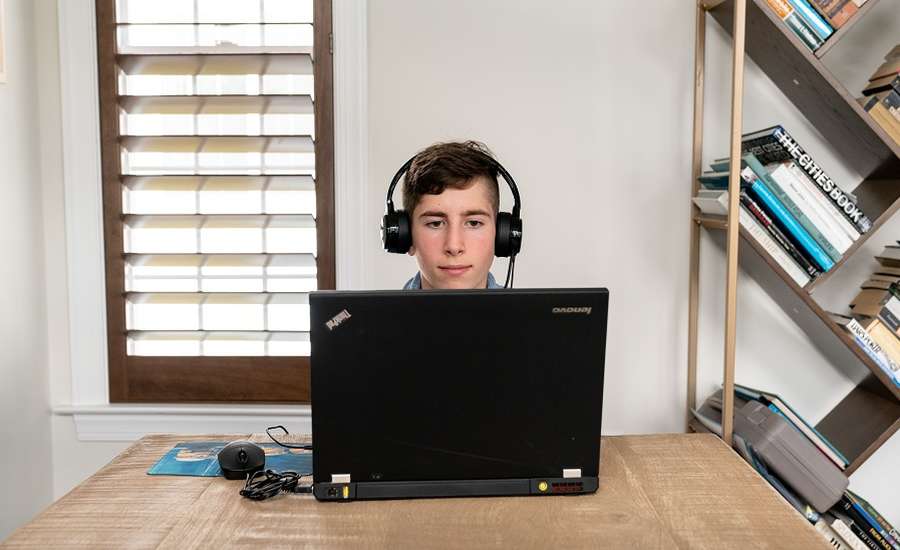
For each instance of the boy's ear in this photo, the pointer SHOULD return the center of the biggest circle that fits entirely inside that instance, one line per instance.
(412, 250)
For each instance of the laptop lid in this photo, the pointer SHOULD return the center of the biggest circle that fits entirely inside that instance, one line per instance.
(456, 385)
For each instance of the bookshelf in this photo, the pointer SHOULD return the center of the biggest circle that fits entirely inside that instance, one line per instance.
(870, 413)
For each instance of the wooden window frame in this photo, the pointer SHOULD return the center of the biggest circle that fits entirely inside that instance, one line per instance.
(143, 379)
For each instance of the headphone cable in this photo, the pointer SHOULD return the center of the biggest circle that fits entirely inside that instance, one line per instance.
(510, 273)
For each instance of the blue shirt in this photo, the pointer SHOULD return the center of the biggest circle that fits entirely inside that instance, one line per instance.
(416, 282)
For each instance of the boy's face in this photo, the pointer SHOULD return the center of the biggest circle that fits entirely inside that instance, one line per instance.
(453, 236)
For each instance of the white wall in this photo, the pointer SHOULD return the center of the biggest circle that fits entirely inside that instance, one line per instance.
(24, 399)
(588, 104)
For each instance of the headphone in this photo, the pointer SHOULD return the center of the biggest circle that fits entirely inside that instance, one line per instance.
(396, 231)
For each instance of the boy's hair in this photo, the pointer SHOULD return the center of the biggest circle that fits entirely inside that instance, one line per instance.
(452, 164)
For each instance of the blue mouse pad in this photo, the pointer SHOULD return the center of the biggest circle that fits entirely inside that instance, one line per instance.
(200, 458)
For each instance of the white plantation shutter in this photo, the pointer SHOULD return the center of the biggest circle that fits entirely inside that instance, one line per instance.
(213, 182)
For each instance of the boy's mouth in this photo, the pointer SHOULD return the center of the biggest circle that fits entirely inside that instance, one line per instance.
(454, 269)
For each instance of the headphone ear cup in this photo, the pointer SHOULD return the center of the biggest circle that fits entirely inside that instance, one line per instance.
(396, 235)
(508, 239)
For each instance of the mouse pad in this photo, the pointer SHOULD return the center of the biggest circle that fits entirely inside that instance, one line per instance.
(199, 458)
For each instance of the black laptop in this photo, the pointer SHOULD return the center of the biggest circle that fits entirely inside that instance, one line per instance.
(456, 393)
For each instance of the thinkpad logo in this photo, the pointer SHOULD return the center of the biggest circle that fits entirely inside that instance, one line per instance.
(335, 321)
(585, 310)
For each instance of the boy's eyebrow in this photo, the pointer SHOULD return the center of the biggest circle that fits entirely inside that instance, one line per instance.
(439, 214)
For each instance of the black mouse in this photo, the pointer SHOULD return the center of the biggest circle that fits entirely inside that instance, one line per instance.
(240, 459)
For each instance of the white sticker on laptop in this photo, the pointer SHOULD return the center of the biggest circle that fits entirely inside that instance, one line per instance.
(336, 321)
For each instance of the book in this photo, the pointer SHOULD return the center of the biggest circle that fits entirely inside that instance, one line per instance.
(888, 68)
(889, 344)
(832, 240)
(893, 53)
(891, 101)
(785, 221)
(774, 144)
(873, 514)
(788, 192)
(863, 338)
(796, 23)
(859, 527)
(829, 212)
(818, 24)
(837, 12)
(844, 531)
(878, 110)
(201, 458)
(761, 236)
(782, 241)
(854, 509)
(823, 526)
(884, 84)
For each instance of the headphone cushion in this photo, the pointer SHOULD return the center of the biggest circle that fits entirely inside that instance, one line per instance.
(508, 238)
(396, 235)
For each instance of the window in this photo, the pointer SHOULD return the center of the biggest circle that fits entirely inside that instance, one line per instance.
(217, 161)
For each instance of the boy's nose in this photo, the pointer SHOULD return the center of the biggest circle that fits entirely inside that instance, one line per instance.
(454, 244)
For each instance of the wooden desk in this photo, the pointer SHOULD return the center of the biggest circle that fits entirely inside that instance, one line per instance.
(656, 491)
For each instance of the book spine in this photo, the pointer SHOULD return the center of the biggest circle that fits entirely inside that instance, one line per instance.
(795, 22)
(828, 210)
(883, 523)
(872, 522)
(831, 535)
(862, 523)
(779, 145)
(802, 29)
(783, 189)
(844, 531)
(775, 251)
(874, 356)
(873, 348)
(786, 245)
(786, 222)
(812, 17)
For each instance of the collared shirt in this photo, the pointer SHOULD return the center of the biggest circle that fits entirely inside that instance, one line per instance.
(416, 282)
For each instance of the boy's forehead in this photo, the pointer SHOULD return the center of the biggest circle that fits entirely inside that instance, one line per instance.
(474, 196)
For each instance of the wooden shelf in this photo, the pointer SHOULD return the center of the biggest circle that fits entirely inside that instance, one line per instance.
(812, 88)
(835, 344)
(861, 422)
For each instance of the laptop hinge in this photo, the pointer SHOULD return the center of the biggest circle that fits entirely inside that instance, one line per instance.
(571, 472)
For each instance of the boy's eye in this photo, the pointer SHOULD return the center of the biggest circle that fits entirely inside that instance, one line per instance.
(474, 223)
(434, 224)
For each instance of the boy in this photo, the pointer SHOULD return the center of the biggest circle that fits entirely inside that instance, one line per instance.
(452, 197)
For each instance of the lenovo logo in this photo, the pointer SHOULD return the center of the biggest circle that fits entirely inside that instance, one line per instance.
(335, 321)
(585, 310)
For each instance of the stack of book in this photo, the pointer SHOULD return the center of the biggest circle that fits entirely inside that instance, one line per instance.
(882, 95)
(789, 205)
(875, 321)
(814, 21)
(852, 523)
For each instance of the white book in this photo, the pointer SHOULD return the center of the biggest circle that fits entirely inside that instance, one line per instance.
(780, 255)
(792, 186)
(831, 536)
(846, 533)
(824, 202)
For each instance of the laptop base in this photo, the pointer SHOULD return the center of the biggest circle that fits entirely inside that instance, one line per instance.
(379, 490)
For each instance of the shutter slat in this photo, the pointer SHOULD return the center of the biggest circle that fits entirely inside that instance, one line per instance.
(217, 142)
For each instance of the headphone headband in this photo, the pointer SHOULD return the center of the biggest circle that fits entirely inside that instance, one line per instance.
(517, 202)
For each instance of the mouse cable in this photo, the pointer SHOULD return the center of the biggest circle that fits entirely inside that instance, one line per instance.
(266, 484)
(305, 447)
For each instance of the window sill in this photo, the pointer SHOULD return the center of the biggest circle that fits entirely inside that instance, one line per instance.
(131, 422)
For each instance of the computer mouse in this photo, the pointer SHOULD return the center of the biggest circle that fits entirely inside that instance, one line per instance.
(240, 459)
